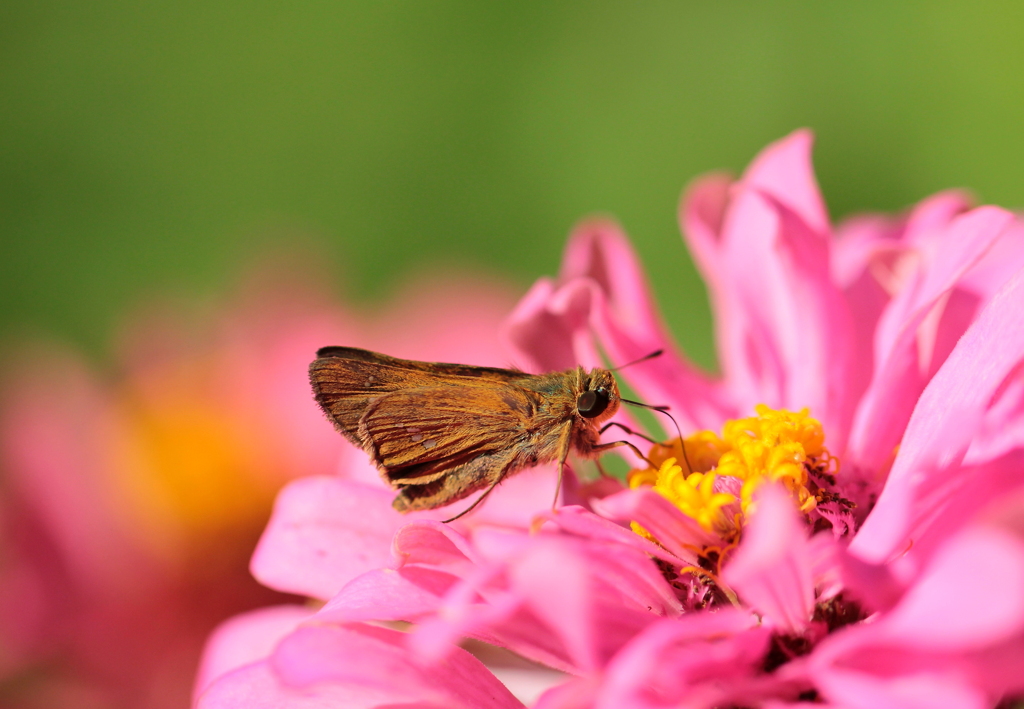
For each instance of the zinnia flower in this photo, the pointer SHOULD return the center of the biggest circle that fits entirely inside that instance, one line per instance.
(840, 525)
(131, 501)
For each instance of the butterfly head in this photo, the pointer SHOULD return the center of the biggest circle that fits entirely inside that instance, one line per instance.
(599, 399)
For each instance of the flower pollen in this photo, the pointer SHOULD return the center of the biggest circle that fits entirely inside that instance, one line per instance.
(775, 445)
(694, 494)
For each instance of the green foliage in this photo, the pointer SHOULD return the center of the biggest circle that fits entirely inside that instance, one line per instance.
(154, 146)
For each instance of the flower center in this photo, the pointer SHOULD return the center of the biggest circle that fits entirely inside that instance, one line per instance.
(190, 471)
(713, 480)
(775, 445)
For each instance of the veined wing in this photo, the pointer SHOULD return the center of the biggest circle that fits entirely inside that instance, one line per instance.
(354, 354)
(346, 379)
(417, 435)
(479, 473)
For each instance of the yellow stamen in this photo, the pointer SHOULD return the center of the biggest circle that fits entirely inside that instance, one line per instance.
(773, 446)
(694, 494)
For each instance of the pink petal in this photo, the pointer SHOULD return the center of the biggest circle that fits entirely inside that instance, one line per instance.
(825, 552)
(432, 544)
(946, 417)
(474, 608)
(783, 326)
(388, 594)
(702, 211)
(949, 256)
(933, 214)
(256, 686)
(576, 520)
(997, 668)
(953, 496)
(873, 259)
(791, 328)
(375, 661)
(354, 464)
(970, 645)
(771, 569)
(547, 339)
(578, 693)
(867, 300)
(264, 344)
(56, 429)
(31, 593)
(245, 639)
(325, 531)
(1002, 428)
(627, 589)
(996, 563)
(886, 406)
(997, 266)
(624, 570)
(858, 241)
(602, 291)
(702, 214)
(935, 689)
(556, 585)
(749, 345)
(784, 171)
(704, 657)
(627, 322)
(874, 585)
(676, 532)
(822, 351)
(600, 251)
(563, 601)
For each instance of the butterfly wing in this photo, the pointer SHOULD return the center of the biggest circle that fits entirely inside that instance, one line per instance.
(416, 436)
(481, 472)
(354, 354)
(347, 379)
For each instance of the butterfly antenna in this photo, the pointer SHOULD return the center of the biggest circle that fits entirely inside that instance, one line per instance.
(652, 355)
(664, 410)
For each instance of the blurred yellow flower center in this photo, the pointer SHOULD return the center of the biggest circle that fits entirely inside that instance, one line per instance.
(774, 446)
(191, 470)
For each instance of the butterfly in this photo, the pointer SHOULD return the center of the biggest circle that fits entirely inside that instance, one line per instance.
(439, 432)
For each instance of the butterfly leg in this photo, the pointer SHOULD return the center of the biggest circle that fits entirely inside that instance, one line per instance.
(480, 499)
(615, 444)
(604, 428)
(628, 430)
(563, 456)
(484, 471)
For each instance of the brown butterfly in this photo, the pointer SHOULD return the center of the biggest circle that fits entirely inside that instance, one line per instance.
(439, 432)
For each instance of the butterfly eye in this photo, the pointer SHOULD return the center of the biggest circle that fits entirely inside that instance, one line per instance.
(592, 403)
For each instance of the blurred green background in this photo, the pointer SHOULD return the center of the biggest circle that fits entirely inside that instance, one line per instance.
(153, 147)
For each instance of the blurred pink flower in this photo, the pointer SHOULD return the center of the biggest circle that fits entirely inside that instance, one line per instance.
(872, 555)
(131, 501)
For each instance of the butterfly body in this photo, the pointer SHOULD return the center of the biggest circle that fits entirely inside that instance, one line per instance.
(439, 432)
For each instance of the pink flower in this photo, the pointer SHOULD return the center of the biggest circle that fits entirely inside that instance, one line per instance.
(852, 536)
(131, 502)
